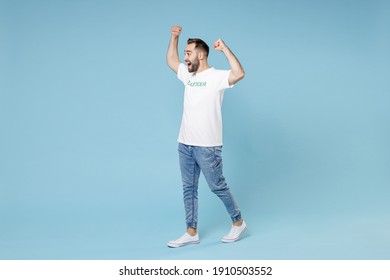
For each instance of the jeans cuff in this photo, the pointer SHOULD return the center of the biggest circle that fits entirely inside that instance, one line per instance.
(237, 218)
(192, 226)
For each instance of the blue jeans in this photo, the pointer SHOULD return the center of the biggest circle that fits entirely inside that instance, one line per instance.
(194, 159)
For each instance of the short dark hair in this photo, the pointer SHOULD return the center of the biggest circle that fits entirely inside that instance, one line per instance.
(199, 44)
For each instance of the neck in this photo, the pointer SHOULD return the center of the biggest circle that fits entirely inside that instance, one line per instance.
(202, 67)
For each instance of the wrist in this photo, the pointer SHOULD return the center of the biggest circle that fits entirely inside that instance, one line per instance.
(225, 50)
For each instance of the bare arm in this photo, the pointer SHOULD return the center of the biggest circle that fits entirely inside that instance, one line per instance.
(173, 60)
(237, 72)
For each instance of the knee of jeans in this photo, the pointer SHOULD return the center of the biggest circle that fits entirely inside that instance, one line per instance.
(220, 187)
(189, 187)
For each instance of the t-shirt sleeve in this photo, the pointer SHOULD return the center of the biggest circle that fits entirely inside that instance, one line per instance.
(182, 73)
(224, 80)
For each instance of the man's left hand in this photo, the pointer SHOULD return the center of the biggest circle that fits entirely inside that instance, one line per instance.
(219, 45)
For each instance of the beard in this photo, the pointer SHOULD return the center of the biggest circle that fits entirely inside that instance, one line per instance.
(194, 66)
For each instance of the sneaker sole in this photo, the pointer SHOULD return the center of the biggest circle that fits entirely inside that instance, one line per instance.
(172, 245)
(236, 239)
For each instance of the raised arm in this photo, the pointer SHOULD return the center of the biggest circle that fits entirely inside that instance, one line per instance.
(237, 72)
(173, 60)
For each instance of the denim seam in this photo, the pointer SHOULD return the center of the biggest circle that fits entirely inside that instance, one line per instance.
(193, 195)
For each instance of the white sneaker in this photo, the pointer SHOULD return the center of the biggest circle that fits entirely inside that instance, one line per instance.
(186, 239)
(235, 233)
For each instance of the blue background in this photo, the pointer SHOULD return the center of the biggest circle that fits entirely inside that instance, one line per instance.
(89, 116)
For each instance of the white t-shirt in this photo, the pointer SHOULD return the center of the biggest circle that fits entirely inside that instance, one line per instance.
(202, 112)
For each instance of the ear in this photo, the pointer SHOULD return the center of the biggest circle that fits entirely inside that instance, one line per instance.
(201, 55)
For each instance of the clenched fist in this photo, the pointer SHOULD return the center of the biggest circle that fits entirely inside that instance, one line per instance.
(219, 45)
(176, 30)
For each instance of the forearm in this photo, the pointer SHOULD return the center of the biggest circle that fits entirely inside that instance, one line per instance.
(237, 71)
(173, 60)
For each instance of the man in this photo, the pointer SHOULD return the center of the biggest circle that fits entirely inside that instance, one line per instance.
(200, 137)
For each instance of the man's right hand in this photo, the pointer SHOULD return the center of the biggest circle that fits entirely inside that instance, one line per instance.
(172, 53)
(176, 30)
